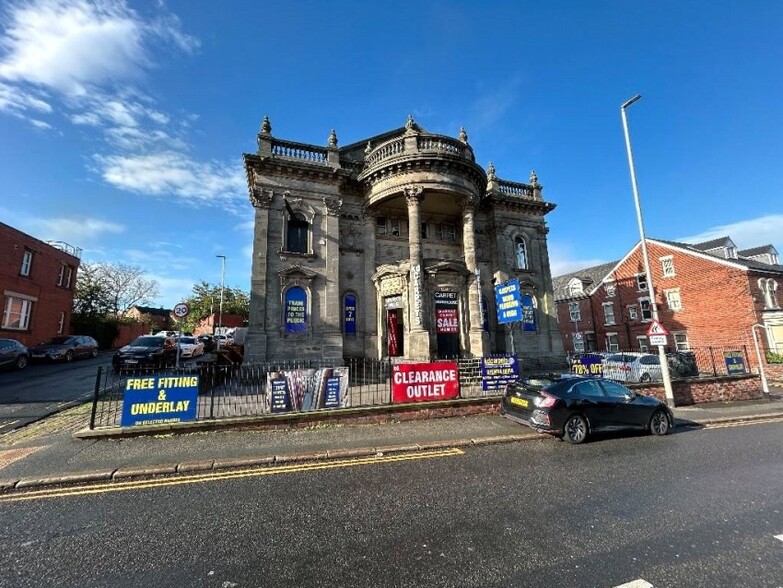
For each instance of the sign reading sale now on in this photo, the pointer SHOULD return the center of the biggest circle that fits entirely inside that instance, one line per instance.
(423, 382)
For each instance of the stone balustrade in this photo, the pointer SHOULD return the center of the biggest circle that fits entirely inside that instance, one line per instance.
(424, 145)
(516, 189)
(303, 151)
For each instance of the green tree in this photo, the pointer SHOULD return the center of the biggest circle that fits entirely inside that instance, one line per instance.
(205, 300)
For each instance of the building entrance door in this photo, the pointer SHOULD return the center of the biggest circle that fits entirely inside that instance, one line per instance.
(395, 337)
(447, 324)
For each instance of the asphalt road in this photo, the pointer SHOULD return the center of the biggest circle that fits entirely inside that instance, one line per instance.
(42, 389)
(698, 508)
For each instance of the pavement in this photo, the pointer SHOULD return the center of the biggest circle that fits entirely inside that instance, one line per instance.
(46, 453)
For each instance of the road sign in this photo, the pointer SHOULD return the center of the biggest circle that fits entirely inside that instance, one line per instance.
(577, 336)
(181, 310)
(657, 339)
(656, 328)
(507, 300)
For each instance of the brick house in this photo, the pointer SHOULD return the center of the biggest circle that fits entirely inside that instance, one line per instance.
(210, 324)
(708, 295)
(37, 281)
(158, 318)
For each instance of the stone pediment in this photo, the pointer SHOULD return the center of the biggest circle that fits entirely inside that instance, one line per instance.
(447, 266)
(296, 274)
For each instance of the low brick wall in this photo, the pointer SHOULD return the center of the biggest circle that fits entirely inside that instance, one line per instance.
(699, 390)
(774, 371)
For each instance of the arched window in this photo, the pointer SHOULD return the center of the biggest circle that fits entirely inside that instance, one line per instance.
(520, 251)
(295, 310)
(297, 233)
(769, 288)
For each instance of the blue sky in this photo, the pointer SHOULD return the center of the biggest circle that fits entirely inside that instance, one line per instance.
(122, 125)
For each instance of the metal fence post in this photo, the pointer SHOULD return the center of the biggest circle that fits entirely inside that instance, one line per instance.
(95, 397)
(389, 371)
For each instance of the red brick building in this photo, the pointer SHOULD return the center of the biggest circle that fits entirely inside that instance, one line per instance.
(37, 281)
(708, 295)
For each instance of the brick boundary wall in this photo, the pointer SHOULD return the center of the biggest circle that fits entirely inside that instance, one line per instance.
(774, 371)
(715, 389)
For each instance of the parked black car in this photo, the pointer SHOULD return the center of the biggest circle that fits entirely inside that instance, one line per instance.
(574, 407)
(65, 348)
(13, 354)
(146, 351)
(208, 341)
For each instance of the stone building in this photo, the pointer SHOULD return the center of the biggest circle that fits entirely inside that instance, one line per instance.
(389, 247)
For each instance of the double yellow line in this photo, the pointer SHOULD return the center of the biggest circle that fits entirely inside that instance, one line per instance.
(104, 487)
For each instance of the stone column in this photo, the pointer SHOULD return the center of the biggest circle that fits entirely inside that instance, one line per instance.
(479, 341)
(331, 320)
(256, 338)
(369, 300)
(418, 337)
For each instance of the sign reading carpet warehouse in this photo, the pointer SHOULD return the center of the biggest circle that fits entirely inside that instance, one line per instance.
(419, 382)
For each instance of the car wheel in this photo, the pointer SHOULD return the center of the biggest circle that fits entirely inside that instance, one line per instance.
(94, 353)
(645, 378)
(69, 356)
(575, 429)
(21, 362)
(659, 423)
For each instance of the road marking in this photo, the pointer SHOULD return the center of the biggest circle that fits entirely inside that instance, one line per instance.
(636, 584)
(215, 476)
(779, 537)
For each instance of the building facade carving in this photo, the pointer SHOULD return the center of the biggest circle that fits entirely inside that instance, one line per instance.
(389, 247)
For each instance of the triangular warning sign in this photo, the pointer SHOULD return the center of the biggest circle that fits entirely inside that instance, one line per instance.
(656, 328)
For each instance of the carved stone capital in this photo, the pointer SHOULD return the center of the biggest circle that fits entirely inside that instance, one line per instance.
(333, 206)
(543, 230)
(262, 198)
(414, 195)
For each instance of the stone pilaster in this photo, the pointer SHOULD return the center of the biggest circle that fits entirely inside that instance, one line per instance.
(256, 339)
(370, 299)
(418, 338)
(479, 341)
(329, 247)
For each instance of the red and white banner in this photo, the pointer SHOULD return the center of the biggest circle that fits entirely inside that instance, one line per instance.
(424, 382)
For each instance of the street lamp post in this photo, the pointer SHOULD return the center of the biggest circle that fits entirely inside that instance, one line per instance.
(222, 282)
(667, 382)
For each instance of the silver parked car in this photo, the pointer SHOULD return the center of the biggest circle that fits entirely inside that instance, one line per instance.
(633, 367)
(13, 353)
(65, 348)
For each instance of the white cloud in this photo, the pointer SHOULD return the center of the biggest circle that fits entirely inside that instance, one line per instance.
(563, 261)
(747, 233)
(174, 173)
(39, 124)
(83, 230)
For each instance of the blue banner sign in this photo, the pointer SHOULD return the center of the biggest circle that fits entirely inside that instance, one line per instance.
(296, 310)
(158, 400)
(528, 313)
(497, 371)
(735, 362)
(281, 399)
(349, 314)
(587, 365)
(332, 396)
(507, 301)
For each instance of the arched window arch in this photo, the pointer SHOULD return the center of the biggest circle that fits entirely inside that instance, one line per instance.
(520, 253)
(297, 233)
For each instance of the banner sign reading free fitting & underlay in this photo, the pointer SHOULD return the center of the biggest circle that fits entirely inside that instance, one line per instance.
(157, 400)
(423, 382)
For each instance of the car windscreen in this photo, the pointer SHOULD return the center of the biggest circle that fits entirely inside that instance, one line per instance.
(56, 341)
(621, 358)
(148, 342)
(188, 340)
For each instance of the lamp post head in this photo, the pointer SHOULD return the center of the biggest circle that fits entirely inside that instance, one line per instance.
(631, 101)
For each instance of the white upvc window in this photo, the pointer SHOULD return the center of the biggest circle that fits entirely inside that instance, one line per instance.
(575, 287)
(574, 311)
(612, 342)
(641, 282)
(632, 312)
(611, 289)
(673, 299)
(769, 289)
(667, 263)
(27, 263)
(608, 313)
(642, 343)
(61, 323)
(681, 341)
(646, 307)
(16, 313)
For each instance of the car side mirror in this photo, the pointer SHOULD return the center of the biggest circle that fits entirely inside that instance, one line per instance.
(630, 395)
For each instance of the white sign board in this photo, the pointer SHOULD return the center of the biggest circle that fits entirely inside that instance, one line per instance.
(657, 339)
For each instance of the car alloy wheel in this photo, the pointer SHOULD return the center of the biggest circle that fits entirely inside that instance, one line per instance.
(95, 353)
(21, 362)
(645, 378)
(659, 423)
(575, 429)
(69, 356)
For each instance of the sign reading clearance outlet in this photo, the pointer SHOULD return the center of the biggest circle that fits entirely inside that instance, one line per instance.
(423, 382)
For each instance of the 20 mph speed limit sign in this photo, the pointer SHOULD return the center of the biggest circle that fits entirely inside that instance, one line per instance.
(181, 310)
